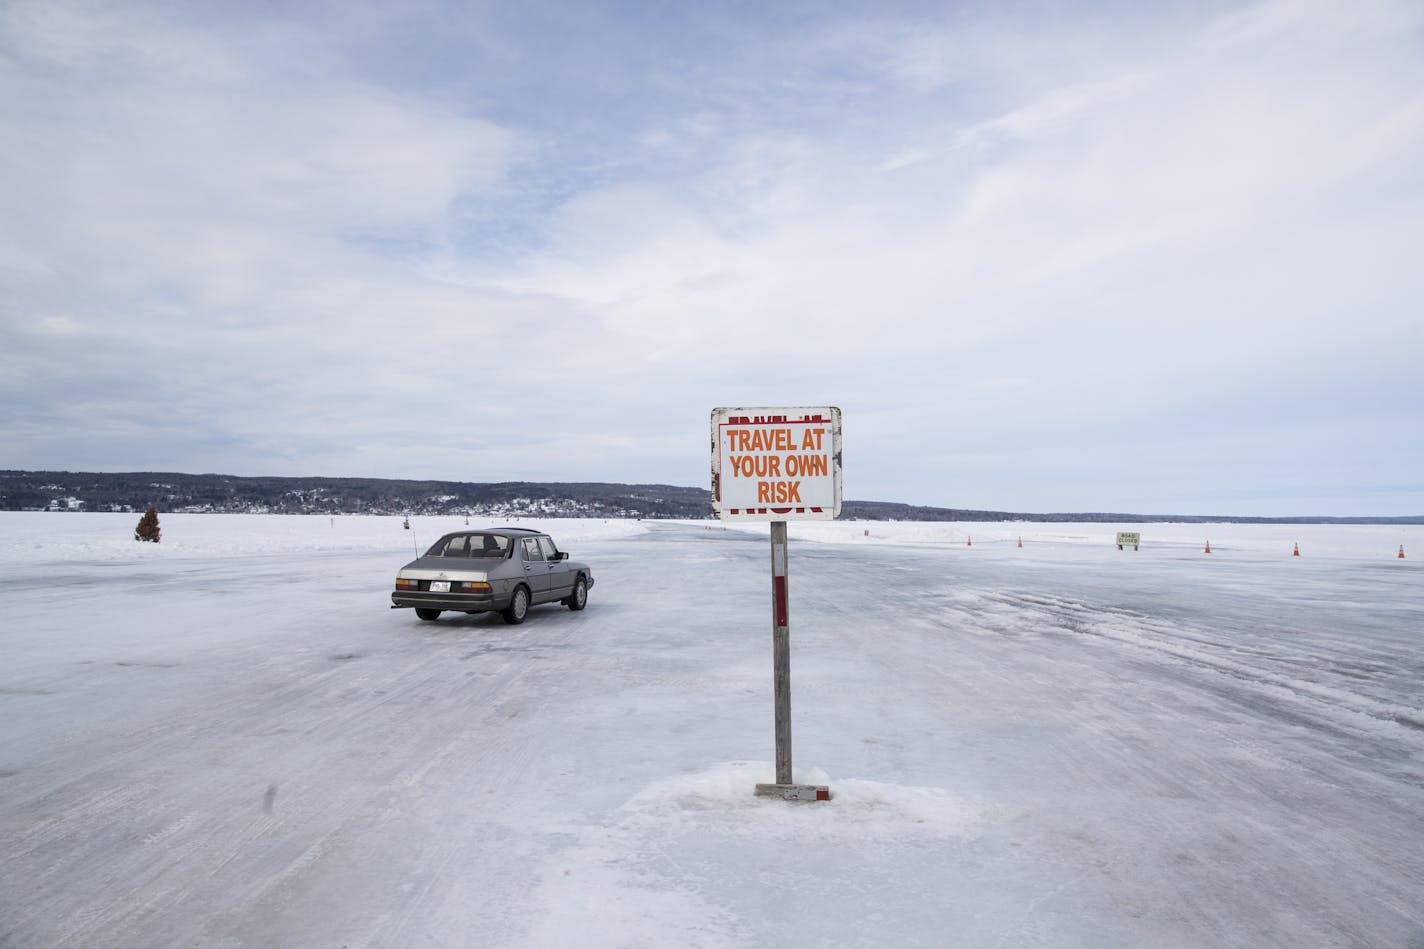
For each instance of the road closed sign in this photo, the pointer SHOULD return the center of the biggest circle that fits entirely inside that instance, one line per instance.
(776, 464)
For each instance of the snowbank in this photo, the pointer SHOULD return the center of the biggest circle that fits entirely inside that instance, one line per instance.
(1001, 538)
(30, 536)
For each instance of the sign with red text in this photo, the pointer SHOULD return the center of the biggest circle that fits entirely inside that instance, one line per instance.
(776, 464)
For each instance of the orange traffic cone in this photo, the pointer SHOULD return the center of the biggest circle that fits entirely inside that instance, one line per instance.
(1297, 551)
(969, 542)
(1401, 551)
(1208, 546)
(1020, 543)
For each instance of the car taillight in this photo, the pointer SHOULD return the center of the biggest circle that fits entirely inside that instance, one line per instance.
(475, 586)
(403, 584)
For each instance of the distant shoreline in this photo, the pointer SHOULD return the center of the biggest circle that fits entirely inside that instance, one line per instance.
(173, 492)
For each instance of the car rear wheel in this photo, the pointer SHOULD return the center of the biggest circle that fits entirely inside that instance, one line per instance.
(426, 614)
(518, 607)
(579, 598)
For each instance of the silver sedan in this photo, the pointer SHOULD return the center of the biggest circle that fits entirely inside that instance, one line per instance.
(505, 569)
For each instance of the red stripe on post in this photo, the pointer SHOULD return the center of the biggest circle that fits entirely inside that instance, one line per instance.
(778, 591)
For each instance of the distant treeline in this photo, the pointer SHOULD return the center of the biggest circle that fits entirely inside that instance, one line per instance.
(172, 491)
(175, 492)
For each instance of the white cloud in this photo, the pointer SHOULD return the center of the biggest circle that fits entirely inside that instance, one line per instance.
(158, 155)
(966, 230)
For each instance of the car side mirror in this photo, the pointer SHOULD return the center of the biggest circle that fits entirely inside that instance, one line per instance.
(563, 555)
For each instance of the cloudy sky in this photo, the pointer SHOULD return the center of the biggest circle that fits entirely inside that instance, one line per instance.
(1045, 257)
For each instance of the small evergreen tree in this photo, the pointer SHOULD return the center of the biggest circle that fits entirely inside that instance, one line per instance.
(148, 526)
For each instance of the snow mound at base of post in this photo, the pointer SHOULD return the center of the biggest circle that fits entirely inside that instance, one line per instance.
(657, 865)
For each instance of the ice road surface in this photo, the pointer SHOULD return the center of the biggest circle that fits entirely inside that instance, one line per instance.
(228, 739)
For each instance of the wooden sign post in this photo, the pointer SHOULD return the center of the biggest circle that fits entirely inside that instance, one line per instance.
(778, 464)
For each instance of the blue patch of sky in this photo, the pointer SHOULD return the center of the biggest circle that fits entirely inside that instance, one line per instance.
(602, 94)
(664, 93)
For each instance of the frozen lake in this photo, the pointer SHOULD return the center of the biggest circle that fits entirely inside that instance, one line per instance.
(228, 739)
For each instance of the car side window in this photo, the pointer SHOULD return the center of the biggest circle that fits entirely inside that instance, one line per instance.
(531, 549)
(551, 552)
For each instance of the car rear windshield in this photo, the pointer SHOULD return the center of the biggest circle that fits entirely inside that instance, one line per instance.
(470, 545)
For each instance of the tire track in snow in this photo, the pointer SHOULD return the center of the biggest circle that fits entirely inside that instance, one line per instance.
(1204, 652)
(97, 824)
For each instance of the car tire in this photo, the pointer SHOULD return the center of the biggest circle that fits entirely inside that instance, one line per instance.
(518, 607)
(579, 598)
(426, 614)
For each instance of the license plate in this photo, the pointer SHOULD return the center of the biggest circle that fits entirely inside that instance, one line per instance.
(439, 586)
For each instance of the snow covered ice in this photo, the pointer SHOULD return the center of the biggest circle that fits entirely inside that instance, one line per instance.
(228, 739)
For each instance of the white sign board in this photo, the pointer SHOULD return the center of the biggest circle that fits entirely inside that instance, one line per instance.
(776, 464)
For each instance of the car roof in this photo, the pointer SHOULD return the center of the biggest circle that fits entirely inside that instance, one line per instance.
(504, 531)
